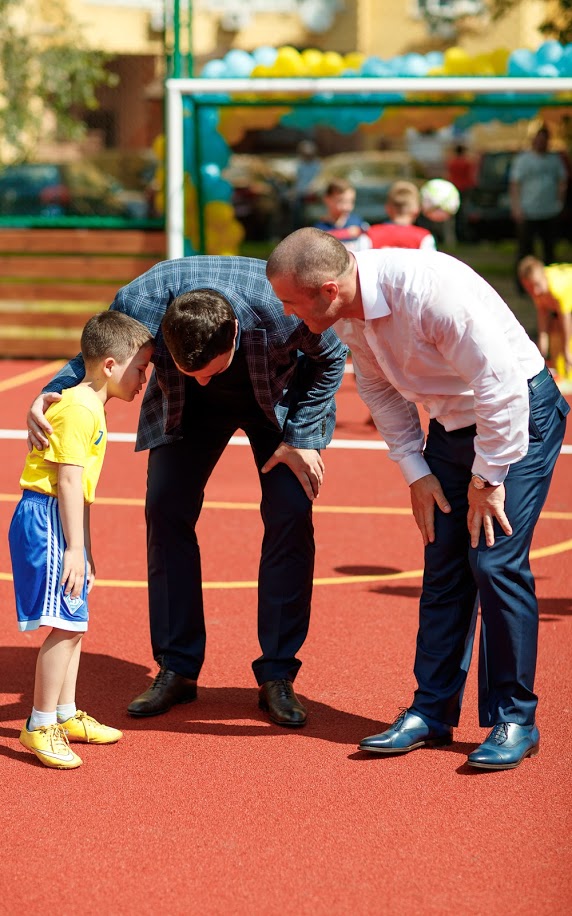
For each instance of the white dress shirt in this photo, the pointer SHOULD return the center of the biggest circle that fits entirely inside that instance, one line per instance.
(437, 334)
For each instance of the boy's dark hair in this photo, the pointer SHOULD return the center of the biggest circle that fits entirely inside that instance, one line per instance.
(113, 334)
(338, 186)
(198, 326)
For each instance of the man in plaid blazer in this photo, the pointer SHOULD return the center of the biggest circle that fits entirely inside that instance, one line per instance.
(274, 379)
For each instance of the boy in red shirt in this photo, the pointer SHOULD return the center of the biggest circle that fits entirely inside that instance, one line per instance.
(403, 206)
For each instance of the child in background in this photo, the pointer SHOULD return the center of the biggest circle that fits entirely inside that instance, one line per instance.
(341, 221)
(550, 288)
(403, 206)
(50, 542)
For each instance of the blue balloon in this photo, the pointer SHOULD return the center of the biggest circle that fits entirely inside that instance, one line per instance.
(265, 56)
(395, 65)
(547, 70)
(434, 59)
(565, 62)
(208, 118)
(238, 63)
(214, 69)
(212, 147)
(549, 53)
(213, 185)
(414, 65)
(522, 63)
(374, 66)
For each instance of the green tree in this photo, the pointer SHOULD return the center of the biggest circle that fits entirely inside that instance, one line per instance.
(556, 24)
(47, 75)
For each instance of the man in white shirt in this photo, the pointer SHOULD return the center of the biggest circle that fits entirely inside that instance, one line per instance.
(424, 328)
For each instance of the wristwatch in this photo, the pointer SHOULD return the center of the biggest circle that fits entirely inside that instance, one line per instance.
(480, 483)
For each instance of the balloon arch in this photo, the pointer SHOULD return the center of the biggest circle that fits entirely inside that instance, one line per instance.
(214, 120)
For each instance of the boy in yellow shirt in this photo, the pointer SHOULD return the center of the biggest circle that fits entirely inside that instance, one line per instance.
(49, 535)
(550, 288)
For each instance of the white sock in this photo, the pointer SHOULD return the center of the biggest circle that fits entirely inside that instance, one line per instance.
(65, 711)
(39, 718)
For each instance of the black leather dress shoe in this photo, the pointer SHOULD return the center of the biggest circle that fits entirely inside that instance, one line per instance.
(278, 699)
(168, 689)
(409, 731)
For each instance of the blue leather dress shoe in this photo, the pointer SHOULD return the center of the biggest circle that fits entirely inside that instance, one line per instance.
(506, 746)
(409, 731)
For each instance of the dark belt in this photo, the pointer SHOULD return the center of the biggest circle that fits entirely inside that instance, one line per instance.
(540, 378)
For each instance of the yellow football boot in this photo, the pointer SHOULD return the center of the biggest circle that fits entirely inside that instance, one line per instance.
(50, 745)
(82, 727)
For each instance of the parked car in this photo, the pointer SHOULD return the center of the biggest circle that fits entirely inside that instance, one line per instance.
(64, 189)
(370, 172)
(485, 210)
(260, 192)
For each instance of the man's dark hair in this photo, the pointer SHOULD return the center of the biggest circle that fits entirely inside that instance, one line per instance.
(198, 326)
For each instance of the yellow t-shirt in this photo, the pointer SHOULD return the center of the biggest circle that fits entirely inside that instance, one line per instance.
(79, 437)
(559, 278)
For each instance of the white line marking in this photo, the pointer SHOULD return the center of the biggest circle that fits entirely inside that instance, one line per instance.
(367, 445)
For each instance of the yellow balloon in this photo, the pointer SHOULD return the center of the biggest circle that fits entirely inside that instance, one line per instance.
(233, 234)
(499, 60)
(331, 64)
(289, 62)
(158, 146)
(218, 213)
(261, 70)
(353, 60)
(312, 58)
(212, 241)
(159, 202)
(482, 68)
(456, 62)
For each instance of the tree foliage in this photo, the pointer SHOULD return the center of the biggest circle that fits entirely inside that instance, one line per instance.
(556, 24)
(47, 75)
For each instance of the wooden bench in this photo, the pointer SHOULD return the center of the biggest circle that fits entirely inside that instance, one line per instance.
(52, 280)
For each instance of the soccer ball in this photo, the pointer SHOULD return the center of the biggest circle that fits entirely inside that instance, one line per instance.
(439, 200)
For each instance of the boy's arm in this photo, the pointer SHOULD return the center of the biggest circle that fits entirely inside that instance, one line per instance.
(71, 507)
(38, 427)
(87, 540)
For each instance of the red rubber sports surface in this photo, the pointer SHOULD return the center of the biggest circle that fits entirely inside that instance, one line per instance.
(210, 809)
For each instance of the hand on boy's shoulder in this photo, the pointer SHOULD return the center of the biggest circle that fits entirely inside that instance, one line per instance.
(38, 426)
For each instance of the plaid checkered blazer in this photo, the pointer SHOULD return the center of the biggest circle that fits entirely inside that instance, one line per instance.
(295, 374)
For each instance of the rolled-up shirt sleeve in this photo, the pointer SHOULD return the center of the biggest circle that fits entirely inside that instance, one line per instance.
(396, 418)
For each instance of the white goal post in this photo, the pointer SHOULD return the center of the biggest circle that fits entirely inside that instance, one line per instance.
(288, 89)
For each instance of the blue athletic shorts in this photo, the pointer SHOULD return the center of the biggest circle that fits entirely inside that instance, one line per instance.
(37, 545)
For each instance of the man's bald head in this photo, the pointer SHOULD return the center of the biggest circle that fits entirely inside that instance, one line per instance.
(309, 256)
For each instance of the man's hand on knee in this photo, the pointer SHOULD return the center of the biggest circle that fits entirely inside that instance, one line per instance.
(305, 463)
(425, 492)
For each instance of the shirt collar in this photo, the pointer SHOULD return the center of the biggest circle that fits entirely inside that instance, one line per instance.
(373, 301)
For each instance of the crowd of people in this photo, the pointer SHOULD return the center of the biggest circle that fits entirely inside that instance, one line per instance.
(239, 343)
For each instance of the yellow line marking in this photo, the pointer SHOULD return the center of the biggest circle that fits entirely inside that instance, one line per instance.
(537, 554)
(254, 507)
(32, 375)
